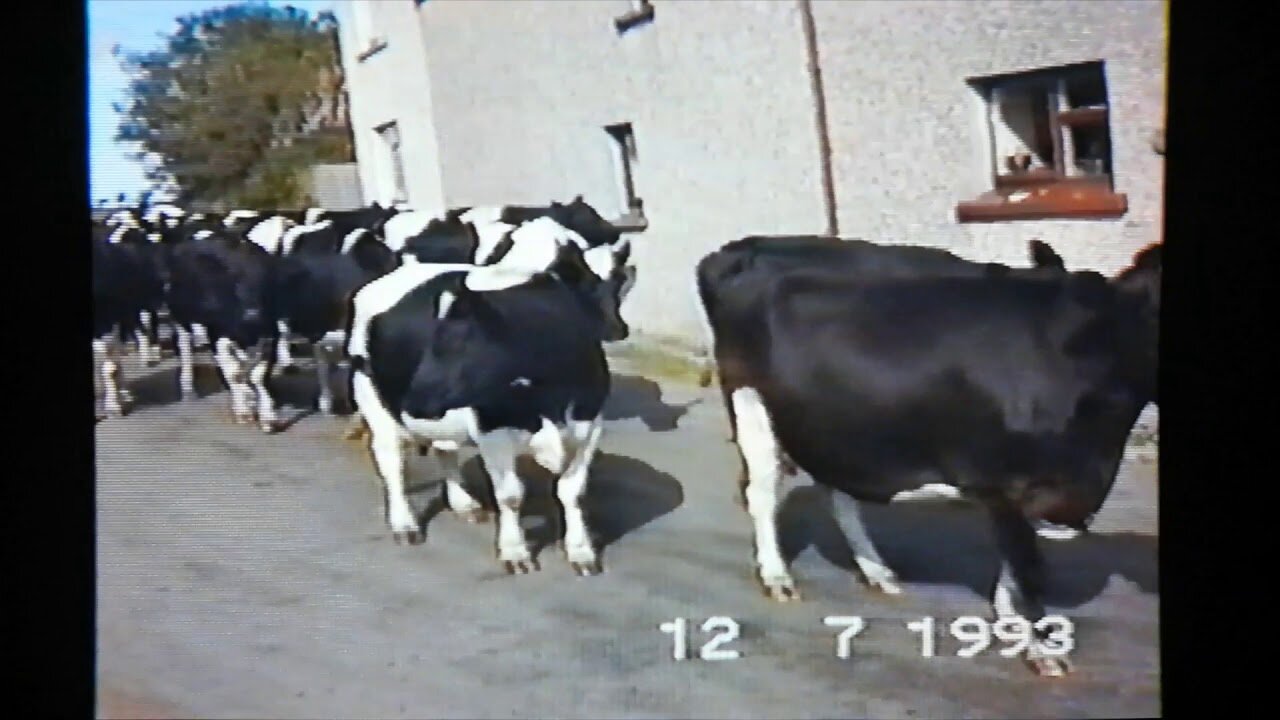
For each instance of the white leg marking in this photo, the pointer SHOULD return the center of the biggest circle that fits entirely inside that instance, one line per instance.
(148, 354)
(267, 420)
(200, 334)
(386, 443)
(570, 488)
(323, 373)
(186, 368)
(548, 448)
(104, 352)
(848, 516)
(234, 374)
(760, 450)
(1005, 601)
(460, 501)
(498, 451)
(284, 358)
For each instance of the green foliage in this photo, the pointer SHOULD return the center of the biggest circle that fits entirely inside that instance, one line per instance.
(238, 104)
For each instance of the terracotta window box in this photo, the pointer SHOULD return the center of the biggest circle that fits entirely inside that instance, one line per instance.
(1062, 199)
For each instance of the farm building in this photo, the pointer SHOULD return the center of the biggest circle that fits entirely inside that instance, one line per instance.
(970, 126)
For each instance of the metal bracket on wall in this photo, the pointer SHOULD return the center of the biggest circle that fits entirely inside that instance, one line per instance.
(643, 13)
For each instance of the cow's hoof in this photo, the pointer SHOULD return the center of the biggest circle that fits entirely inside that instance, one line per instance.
(475, 516)
(1046, 666)
(584, 563)
(271, 427)
(113, 411)
(518, 561)
(781, 588)
(408, 537)
(325, 407)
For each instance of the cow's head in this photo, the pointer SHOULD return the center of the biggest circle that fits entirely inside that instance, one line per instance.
(583, 219)
(601, 276)
(1139, 288)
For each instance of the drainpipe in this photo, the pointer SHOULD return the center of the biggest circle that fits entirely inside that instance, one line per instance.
(819, 116)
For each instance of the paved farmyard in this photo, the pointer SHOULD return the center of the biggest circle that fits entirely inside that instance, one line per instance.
(244, 575)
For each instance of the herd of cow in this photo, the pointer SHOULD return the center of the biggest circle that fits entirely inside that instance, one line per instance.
(878, 370)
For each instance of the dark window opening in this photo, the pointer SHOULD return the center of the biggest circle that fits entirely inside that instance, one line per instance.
(1051, 147)
(623, 142)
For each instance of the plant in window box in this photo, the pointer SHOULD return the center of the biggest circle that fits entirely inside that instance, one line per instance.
(1018, 162)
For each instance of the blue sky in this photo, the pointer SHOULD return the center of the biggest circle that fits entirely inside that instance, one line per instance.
(138, 26)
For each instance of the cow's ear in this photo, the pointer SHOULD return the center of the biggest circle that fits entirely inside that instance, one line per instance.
(570, 265)
(577, 200)
(1150, 257)
(621, 251)
(472, 304)
(1043, 256)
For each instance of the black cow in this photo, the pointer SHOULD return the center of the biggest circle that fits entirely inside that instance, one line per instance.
(126, 286)
(224, 283)
(313, 290)
(443, 240)
(512, 362)
(1017, 388)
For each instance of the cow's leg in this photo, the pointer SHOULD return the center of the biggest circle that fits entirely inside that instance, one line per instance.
(186, 363)
(572, 485)
(105, 352)
(323, 373)
(284, 356)
(1020, 585)
(148, 353)
(548, 448)
(498, 451)
(460, 501)
(258, 374)
(233, 372)
(848, 515)
(200, 334)
(760, 452)
(386, 444)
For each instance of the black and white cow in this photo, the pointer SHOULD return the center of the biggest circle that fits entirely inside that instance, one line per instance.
(510, 361)
(530, 248)
(1017, 388)
(224, 283)
(577, 215)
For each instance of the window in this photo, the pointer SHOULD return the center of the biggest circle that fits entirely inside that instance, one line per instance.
(622, 141)
(390, 134)
(1050, 144)
(641, 12)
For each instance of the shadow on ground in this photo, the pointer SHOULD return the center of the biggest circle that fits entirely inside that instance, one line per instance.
(634, 396)
(948, 543)
(623, 495)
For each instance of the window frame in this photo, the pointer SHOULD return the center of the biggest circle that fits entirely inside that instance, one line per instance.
(622, 143)
(395, 154)
(1046, 193)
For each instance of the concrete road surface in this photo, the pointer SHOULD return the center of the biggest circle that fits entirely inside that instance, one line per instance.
(244, 575)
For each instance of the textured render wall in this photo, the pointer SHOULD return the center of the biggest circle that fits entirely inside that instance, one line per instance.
(906, 130)
(718, 96)
(392, 84)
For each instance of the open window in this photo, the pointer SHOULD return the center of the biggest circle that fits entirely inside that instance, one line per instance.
(1050, 142)
(622, 141)
(390, 134)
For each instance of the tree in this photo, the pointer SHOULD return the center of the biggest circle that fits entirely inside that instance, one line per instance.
(241, 100)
